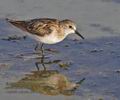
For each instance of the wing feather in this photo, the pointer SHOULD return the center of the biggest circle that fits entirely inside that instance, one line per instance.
(40, 27)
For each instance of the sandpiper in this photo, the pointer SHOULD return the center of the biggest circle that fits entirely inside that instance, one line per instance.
(46, 30)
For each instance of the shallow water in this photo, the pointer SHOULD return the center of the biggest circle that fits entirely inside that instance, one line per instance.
(97, 58)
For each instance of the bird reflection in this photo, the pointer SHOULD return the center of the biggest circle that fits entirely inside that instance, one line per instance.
(41, 61)
(48, 82)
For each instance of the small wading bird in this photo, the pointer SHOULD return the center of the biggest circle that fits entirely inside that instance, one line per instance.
(46, 30)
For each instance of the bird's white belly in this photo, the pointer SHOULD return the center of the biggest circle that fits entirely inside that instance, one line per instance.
(48, 39)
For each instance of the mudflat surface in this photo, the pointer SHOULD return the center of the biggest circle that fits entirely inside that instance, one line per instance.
(97, 58)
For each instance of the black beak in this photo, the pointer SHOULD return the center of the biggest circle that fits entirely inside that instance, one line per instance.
(76, 32)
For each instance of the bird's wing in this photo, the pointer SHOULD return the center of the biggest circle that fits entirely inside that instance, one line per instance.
(40, 27)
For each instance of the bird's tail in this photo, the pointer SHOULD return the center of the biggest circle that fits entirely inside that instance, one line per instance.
(19, 24)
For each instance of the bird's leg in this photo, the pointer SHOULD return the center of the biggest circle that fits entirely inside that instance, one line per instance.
(36, 47)
(37, 65)
(42, 49)
(42, 59)
(41, 62)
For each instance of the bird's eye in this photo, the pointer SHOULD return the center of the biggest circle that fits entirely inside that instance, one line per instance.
(70, 26)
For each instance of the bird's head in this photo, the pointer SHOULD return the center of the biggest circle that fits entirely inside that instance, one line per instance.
(70, 27)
